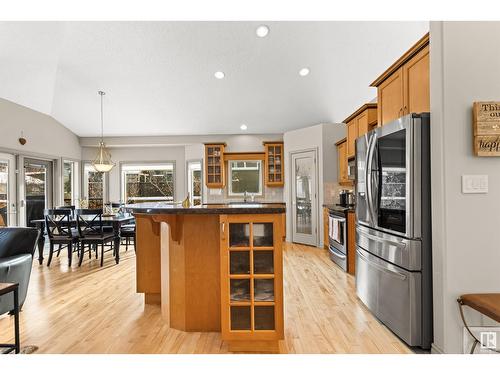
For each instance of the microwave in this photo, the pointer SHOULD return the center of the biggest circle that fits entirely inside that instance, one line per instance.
(351, 169)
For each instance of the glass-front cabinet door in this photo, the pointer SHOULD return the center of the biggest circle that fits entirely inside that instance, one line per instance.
(251, 277)
(392, 174)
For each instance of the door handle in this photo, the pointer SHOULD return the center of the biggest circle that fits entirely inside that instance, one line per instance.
(400, 275)
(375, 238)
(336, 253)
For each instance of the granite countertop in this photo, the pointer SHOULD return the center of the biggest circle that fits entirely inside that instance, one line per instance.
(339, 208)
(232, 208)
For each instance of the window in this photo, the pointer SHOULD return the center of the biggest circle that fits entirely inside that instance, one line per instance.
(148, 182)
(94, 184)
(245, 176)
(194, 182)
(69, 180)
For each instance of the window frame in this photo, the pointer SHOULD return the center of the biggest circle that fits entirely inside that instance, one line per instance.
(105, 188)
(230, 192)
(147, 163)
(75, 180)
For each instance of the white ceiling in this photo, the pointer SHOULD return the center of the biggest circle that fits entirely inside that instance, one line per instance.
(159, 76)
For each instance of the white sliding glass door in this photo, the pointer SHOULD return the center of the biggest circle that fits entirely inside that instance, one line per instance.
(8, 197)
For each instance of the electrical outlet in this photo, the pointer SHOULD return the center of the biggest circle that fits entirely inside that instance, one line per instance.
(474, 184)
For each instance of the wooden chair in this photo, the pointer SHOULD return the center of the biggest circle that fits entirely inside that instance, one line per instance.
(59, 231)
(91, 231)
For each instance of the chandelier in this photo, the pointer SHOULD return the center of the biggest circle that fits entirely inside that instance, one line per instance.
(102, 162)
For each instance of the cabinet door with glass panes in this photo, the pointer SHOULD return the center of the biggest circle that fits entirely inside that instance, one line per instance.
(214, 165)
(274, 163)
(252, 277)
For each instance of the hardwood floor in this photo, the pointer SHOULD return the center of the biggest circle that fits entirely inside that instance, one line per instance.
(96, 310)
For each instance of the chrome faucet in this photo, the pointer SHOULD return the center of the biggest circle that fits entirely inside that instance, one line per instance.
(245, 196)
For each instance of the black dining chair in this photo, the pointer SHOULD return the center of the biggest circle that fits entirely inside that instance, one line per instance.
(127, 232)
(60, 232)
(91, 231)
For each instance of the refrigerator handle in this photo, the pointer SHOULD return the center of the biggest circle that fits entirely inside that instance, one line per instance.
(368, 177)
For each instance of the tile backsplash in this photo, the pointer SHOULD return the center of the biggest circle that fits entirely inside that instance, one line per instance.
(331, 192)
(271, 194)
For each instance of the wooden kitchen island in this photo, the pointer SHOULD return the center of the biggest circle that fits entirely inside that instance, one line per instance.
(214, 268)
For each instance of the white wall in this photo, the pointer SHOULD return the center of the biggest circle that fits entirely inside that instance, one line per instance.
(321, 138)
(45, 136)
(179, 149)
(140, 154)
(465, 63)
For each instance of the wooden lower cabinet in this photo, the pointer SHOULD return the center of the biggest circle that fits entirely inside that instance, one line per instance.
(252, 281)
(351, 243)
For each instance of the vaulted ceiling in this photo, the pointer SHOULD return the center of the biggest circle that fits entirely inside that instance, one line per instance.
(159, 76)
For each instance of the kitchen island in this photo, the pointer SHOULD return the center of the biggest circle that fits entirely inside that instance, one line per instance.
(214, 268)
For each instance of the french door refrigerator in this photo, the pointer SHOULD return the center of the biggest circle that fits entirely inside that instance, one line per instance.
(393, 227)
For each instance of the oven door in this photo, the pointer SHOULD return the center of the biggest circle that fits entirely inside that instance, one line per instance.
(337, 232)
(338, 240)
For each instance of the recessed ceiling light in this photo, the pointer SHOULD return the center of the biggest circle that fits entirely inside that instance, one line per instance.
(219, 75)
(262, 31)
(304, 71)
(243, 127)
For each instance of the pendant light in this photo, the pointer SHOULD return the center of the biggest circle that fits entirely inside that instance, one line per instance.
(102, 162)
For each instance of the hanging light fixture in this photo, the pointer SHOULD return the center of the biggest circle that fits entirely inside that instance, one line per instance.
(102, 162)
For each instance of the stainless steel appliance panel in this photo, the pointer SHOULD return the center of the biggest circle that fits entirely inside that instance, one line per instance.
(338, 257)
(392, 294)
(402, 252)
(393, 169)
(338, 246)
(362, 209)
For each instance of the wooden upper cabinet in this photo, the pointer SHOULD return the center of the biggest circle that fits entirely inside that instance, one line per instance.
(417, 83)
(352, 134)
(359, 123)
(342, 165)
(404, 87)
(390, 98)
(274, 172)
(214, 165)
(362, 124)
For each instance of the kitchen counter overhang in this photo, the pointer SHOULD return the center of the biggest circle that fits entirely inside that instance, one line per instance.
(207, 209)
(179, 255)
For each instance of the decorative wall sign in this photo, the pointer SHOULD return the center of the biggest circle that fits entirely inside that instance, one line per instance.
(486, 124)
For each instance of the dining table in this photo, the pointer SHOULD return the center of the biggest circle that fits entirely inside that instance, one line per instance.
(115, 221)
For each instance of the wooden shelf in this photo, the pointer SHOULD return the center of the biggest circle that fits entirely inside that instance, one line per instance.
(214, 165)
(274, 160)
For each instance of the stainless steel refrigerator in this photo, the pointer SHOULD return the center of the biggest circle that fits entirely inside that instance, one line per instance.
(393, 227)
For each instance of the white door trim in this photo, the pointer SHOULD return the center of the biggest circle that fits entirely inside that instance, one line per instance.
(312, 239)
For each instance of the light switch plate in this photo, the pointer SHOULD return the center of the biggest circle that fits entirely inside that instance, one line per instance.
(474, 183)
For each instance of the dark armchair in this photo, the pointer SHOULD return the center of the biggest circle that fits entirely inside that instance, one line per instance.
(17, 246)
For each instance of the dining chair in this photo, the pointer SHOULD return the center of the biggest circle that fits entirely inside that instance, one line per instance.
(60, 232)
(127, 232)
(91, 231)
